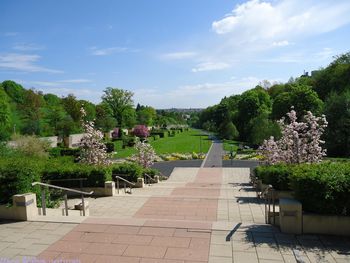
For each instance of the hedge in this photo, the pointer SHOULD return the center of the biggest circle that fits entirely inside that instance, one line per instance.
(128, 171)
(322, 188)
(17, 175)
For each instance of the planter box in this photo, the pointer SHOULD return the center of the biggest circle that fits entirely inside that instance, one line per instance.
(326, 224)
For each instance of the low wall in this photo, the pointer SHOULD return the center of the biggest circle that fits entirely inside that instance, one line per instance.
(74, 140)
(326, 224)
(53, 140)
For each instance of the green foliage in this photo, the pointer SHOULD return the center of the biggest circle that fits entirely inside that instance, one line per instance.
(128, 171)
(276, 175)
(109, 147)
(337, 110)
(302, 97)
(31, 145)
(121, 104)
(228, 130)
(62, 169)
(16, 176)
(15, 91)
(334, 78)
(321, 188)
(263, 128)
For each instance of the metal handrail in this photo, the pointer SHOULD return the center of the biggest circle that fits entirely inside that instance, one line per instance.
(269, 192)
(43, 198)
(125, 181)
(149, 179)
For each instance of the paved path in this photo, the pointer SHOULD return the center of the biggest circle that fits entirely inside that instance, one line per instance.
(197, 215)
(214, 156)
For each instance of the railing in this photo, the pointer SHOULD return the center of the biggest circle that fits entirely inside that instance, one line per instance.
(66, 190)
(125, 182)
(146, 176)
(269, 196)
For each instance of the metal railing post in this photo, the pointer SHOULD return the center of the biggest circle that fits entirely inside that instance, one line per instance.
(83, 204)
(273, 205)
(118, 185)
(43, 200)
(124, 188)
(66, 203)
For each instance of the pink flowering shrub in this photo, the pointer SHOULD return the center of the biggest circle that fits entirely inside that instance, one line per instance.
(145, 155)
(300, 142)
(141, 131)
(115, 133)
(93, 150)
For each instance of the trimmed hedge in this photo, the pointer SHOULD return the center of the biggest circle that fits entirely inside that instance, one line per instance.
(95, 175)
(322, 188)
(128, 171)
(109, 147)
(276, 175)
(17, 175)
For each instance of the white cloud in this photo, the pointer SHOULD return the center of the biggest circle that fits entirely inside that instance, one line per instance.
(195, 95)
(210, 66)
(27, 47)
(23, 62)
(57, 83)
(11, 34)
(179, 55)
(277, 21)
(282, 43)
(109, 51)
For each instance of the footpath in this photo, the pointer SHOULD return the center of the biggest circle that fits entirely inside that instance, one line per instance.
(208, 214)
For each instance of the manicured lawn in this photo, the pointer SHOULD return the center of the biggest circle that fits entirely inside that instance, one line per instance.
(185, 142)
(231, 145)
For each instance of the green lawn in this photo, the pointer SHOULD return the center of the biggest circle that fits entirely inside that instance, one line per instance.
(185, 142)
(230, 145)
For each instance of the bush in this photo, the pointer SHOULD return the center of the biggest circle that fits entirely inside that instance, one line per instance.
(156, 136)
(62, 169)
(276, 175)
(161, 133)
(109, 147)
(17, 175)
(55, 152)
(129, 141)
(151, 172)
(129, 171)
(322, 188)
(31, 145)
(70, 152)
(141, 131)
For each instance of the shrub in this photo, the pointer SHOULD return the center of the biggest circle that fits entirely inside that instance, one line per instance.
(70, 152)
(129, 141)
(129, 171)
(31, 145)
(151, 172)
(109, 147)
(61, 169)
(323, 188)
(276, 175)
(141, 131)
(55, 152)
(156, 136)
(161, 133)
(17, 175)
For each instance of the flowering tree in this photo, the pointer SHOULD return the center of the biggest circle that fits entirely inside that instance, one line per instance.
(301, 141)
(93, 151)
(141, 131)
(115, 133)
(145, 155)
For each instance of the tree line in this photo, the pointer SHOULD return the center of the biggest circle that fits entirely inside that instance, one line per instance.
(251, 117)
(28, 111)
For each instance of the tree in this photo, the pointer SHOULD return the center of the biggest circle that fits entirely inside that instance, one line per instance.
(263, 128)
(146, 115)
(228, 130)
(4, 115)
(303, 98)
(31, 112)
(120, 102)
(145, 155)
(337, 109)
(252, 103)
(300, 142)
(93, 150)
(104, 120)
(15, 91)
(72, 107)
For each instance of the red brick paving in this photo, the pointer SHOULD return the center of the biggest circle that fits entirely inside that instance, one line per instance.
(172, 229)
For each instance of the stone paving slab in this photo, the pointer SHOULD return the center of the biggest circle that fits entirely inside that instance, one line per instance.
(211, 215)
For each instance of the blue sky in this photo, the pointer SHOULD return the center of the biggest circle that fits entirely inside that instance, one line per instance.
(183, 53)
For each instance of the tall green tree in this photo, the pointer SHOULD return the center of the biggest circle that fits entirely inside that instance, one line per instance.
(104, 120)
(337, 111)
(146, 115)
(120, 102)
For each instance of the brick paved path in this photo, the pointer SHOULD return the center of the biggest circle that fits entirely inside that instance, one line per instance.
(197, 215)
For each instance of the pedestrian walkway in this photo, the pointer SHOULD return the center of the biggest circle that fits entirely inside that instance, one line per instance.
(214, 155)
(198, 215)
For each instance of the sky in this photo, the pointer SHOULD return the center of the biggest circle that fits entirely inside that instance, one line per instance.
(183, 53)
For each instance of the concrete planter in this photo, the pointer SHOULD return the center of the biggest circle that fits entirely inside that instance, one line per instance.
(326, 224)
